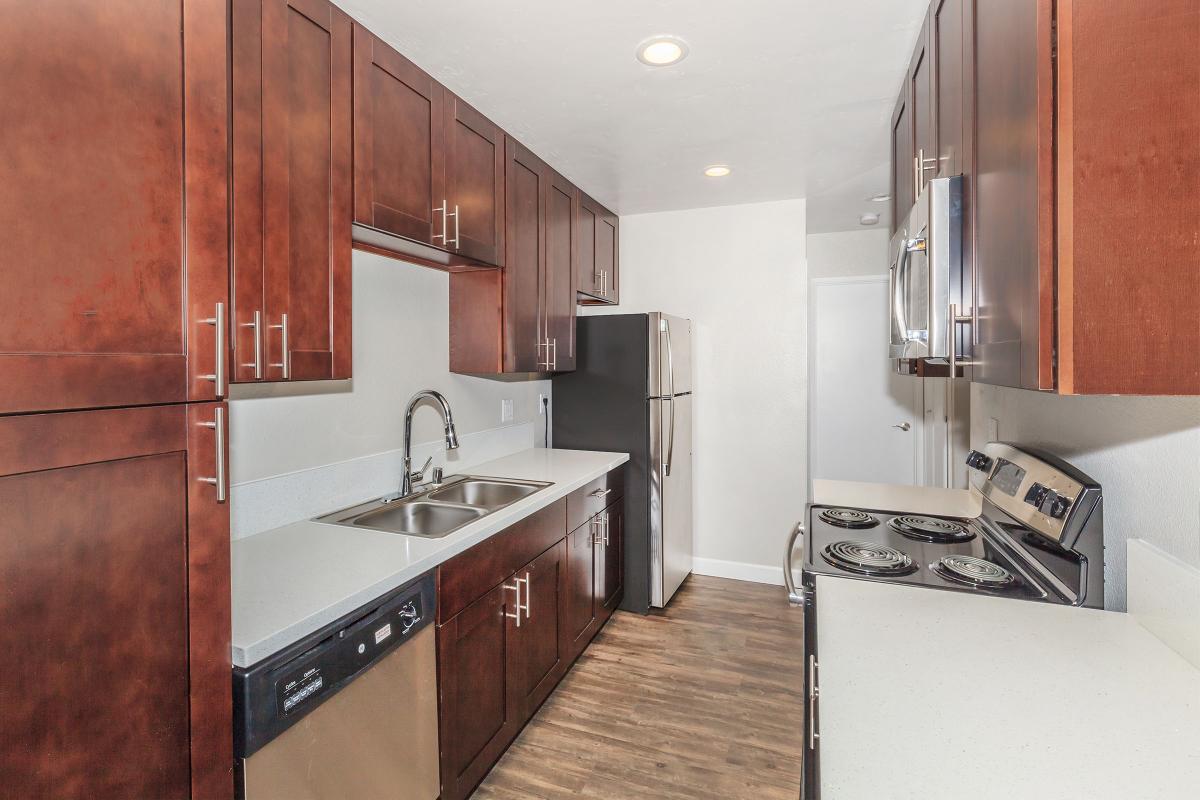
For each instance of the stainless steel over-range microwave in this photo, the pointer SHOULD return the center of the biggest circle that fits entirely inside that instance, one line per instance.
(927, 257)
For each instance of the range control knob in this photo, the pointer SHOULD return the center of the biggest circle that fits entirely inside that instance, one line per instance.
(1055, 505)
(977, 460)
(1037, 495)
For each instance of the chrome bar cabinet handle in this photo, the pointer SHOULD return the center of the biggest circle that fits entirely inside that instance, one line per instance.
(257, 364)
(442, 235)
(218, 427)
(285, 362)
(453, 244)
(217, 320)
(516, 587)
(528, 604)
(600, 493)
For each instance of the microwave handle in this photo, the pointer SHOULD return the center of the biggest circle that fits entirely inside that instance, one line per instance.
(897, 289)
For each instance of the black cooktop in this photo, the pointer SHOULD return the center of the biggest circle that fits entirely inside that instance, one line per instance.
(939, 552)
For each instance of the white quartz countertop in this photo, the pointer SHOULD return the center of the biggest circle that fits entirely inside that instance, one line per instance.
(964, 503)
(291, 581)
(934, 695)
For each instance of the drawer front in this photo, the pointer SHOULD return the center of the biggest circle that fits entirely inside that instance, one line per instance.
(592, 498)
(470, 575)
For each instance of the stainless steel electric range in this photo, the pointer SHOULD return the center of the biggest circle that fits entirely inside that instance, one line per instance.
(1038, 537)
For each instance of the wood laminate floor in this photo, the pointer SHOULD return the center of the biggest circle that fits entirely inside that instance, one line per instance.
(701, 701)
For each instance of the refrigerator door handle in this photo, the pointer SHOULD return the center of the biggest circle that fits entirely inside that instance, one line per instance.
(666, 328)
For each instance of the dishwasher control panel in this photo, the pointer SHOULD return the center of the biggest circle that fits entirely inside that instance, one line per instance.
(274, 694)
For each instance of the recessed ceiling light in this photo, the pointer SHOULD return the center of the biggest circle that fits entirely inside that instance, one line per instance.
(717, 171)
(880, 198)
(662, 51)
(868, 219)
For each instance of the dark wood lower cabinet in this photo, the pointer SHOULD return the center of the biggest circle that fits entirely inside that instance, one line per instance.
(114, 560)
(537, 656)
(475, 717)
(501, 655)
(610, 562)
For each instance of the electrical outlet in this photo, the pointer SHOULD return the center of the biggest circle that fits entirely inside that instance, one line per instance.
(506, 410)
(542, 404)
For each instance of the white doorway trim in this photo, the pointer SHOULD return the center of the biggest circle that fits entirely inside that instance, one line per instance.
(917, 400)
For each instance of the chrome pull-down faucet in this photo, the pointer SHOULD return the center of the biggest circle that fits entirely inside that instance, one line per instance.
(406, 483)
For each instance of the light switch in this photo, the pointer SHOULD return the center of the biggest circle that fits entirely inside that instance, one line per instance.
(506, 410)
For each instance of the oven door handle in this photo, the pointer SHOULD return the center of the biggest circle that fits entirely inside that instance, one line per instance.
(796, 598)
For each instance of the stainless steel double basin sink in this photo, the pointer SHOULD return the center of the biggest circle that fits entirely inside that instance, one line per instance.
(439, 510)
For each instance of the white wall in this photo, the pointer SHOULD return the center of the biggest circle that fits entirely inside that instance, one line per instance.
(846, 253)
(401, 344)
(738, 272)
(1144, 451)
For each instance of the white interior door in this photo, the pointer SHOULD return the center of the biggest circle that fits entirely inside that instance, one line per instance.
(865, 421)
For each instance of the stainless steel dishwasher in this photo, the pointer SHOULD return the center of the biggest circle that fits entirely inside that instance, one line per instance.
(348, 712)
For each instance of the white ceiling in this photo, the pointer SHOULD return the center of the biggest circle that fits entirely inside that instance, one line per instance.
(795, 95)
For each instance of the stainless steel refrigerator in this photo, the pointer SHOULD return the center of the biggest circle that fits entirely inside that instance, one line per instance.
(631, 391)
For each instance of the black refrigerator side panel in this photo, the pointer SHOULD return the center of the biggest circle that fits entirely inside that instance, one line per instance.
(602, 405)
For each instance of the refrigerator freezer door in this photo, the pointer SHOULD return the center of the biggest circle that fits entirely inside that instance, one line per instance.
(670, 496)
(670, 355)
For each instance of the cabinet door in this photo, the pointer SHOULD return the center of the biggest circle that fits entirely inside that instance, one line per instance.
(99, 309)
(525, 259)
(399, 155)
(922, 110)
(946, 43)
(586, 282)
(1012, 201)
(607, 255)
(610, 561)
(474, 182)
(579, 599)
(120, 600)
(537, 657)
(558, 286)
(902, 160)
(292, 192)
(475, 716)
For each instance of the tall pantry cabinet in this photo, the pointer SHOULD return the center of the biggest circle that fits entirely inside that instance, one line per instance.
(114, 530)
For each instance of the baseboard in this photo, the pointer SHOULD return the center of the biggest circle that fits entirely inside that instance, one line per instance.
(738, 570)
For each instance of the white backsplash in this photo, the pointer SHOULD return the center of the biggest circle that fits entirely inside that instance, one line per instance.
(1164, 596)
(267, 503)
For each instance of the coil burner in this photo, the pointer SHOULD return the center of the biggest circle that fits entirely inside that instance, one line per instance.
(866, 558)
(848, 518)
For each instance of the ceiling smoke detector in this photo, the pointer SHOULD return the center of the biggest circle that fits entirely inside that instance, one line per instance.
(868, 219)
(880, 198)
(662, 51)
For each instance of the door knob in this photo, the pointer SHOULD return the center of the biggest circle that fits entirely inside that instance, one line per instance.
(904, 426)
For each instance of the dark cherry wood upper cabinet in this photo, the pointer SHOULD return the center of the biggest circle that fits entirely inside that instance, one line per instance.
(131, 579)
(923, 111)
(902, 159)
(948, 47)
(1012, 197)
(399, 150)
(475, 166)
(526, 178)
(291, 190)
(1128, 206)
(558, 280)
(428, 168)
(497, 317)
(475, 715)
(110, 279)
(599, 254)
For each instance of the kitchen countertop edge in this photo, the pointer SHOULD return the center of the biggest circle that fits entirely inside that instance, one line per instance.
(267, 617)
